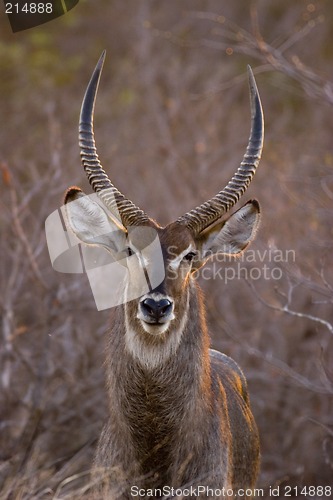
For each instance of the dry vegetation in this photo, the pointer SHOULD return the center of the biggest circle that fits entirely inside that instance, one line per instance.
(172, 122)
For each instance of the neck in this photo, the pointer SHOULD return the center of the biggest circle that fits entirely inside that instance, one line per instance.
(156, 401)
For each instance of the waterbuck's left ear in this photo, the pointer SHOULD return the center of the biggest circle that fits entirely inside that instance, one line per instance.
(233, 235)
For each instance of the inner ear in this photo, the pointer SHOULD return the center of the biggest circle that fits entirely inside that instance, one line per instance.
(233, 235)
(91, 223)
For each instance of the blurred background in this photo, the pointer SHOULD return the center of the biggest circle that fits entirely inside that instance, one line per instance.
(172, 122)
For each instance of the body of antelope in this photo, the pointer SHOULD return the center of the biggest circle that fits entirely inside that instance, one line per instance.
(179, 413)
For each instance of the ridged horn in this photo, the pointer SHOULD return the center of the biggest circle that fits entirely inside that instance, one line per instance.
(113, 199)
(208, 212)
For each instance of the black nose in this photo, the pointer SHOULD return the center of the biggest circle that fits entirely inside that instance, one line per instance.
(156, 309)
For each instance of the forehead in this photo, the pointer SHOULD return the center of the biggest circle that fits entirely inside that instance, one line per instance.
(175, 239)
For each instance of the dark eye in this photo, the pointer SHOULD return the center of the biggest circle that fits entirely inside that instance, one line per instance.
(190, 256)
(129, 252)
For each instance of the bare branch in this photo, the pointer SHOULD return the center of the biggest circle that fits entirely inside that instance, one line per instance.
(18, 226)
(289, 311)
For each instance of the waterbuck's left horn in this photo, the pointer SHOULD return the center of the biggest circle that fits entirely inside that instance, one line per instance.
(99, 181)
(210, 211)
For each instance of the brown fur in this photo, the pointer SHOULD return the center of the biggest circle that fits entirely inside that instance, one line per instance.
(185, 422)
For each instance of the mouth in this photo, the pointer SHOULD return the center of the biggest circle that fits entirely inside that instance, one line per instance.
(155, 327)
(154, 321)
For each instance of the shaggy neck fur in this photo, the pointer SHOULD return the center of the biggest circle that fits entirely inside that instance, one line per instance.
(156, 392)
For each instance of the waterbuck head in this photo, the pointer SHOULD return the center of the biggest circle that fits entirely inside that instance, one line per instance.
(123, 229)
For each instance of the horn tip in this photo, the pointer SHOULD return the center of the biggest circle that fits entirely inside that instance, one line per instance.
(101, 59)
(88, 103)
(252, 81)
(256, 107)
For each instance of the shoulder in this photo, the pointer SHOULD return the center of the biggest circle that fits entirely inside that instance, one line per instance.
(227, 370)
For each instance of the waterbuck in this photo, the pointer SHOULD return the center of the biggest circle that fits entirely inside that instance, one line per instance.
(179, 412)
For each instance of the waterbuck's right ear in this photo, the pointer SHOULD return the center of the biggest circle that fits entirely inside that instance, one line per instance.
(91, 224)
